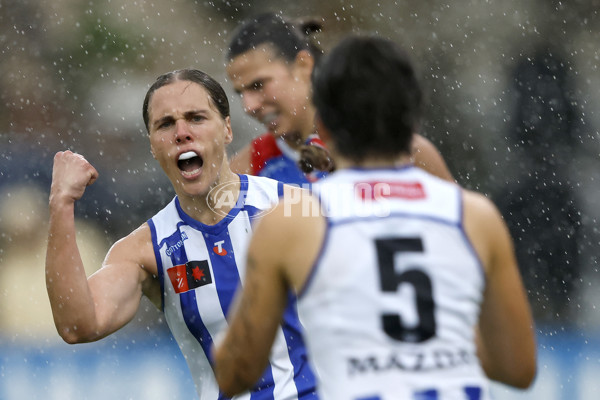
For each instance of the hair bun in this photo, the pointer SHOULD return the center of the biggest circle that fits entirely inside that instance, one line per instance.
(309, 25)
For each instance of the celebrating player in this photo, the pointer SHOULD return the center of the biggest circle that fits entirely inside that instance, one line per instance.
(186, 258)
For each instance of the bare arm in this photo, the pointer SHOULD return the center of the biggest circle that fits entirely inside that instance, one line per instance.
(281, 252)
(87, 310)
(427, 157)
(506, 336)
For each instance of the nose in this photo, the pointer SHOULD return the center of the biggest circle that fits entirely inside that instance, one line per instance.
(182, 133)
(253, 102)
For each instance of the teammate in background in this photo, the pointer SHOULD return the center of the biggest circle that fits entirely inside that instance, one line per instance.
(187, 257)
(394, 267)
(270, 61)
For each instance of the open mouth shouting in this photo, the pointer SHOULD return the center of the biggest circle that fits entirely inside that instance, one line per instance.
(190, 164)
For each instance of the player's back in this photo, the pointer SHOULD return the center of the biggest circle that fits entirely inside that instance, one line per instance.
(392, 302)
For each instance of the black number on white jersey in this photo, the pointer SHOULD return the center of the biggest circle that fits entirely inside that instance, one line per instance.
(390, 280)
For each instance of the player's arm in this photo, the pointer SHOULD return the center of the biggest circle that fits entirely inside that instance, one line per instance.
(281, 252)
(506, 328)
(86, 310)
(240, 162)
(428, 157)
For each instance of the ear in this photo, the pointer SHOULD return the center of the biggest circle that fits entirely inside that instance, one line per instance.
(304, 62)
(228, 131)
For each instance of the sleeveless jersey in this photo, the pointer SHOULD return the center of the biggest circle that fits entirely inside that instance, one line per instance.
(273, 158)
(199, 269)
(392, 302)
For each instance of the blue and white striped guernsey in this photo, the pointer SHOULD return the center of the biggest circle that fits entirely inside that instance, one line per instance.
(200, 267)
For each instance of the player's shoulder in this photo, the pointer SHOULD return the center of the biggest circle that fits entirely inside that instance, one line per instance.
(256, 181)
(140, 236)
(166, 214)
(486, 228)
(136, 248)
(479, 205)
(260, 191)
(481, 217)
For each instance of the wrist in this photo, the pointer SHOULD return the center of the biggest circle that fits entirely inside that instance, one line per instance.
(58, 202)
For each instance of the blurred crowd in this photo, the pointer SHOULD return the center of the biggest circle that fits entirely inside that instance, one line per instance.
(512, 89)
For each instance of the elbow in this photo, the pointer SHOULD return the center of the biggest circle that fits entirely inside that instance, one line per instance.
(232, 390)
(526, 377)
(526, 371)
(234, 377)
(521, 377)
(234, 385)
(70, 338)
(74, 336)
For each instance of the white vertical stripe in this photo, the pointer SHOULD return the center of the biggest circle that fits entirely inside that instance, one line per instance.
(239, 232)
(282, 368)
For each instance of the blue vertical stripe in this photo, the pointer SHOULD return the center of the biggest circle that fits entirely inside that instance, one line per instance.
(159, 264)
(263, 390)
(253, 213)
(193, 320)
(241, 200)
(304, 377)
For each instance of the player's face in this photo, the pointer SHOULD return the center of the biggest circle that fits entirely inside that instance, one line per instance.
(188, 136)
(273, 91)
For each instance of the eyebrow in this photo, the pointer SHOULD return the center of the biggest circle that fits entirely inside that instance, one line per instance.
(186, 115)
(252, 84)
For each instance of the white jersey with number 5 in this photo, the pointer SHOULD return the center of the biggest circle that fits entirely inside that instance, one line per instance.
(391, 305)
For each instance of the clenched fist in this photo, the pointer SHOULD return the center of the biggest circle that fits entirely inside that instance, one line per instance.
(71, 174)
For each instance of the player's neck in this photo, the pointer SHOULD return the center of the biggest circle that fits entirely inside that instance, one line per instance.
(373, 162)
(293, 139)
(298, 138)
(212, 207)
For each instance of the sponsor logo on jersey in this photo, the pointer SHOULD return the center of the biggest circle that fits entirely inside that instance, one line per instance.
(219, 248)
(190, 275)
(419, 361)
(381, 190)
(177, 245)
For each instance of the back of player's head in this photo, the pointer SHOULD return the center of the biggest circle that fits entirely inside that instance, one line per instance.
(286, 38)
(367, 94)
(216, 94)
